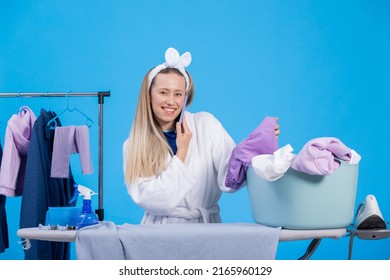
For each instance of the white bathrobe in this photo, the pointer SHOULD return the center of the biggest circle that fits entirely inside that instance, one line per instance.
(188, 192)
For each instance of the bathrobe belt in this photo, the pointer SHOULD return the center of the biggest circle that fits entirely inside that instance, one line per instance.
(194, 213)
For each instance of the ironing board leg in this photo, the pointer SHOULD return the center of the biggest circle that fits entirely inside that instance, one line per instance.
(310, 249)
(350, 246)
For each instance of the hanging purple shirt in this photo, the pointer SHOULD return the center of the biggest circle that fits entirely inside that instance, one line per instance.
(16, 144)
(70, 140)
(261, 141)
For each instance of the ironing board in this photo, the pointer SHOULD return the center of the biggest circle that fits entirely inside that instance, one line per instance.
(285, 235)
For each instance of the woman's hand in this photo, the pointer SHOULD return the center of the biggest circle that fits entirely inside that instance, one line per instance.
(277, 131)
(183, 139)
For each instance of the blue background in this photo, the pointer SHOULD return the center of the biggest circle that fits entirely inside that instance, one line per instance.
(322, 67)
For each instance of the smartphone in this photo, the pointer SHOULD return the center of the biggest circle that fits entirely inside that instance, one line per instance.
(182, 110)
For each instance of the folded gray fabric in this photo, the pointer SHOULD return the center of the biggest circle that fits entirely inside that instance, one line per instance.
(99, 242)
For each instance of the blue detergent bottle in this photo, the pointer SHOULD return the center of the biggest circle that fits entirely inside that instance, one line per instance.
(86, 217)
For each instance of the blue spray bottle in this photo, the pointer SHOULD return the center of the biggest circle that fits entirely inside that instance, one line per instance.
(86, 216)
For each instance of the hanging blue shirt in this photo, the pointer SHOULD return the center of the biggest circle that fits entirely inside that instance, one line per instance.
(170, 135)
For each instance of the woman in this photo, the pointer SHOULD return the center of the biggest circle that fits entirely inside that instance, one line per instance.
(175, 170)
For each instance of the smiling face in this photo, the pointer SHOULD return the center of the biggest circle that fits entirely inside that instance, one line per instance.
(167, 98)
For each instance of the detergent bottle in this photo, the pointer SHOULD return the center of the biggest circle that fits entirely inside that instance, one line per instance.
(86, 217)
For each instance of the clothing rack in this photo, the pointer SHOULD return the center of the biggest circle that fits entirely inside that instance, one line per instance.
(100, 95)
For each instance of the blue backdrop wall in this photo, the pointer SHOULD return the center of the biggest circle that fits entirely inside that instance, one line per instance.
(322, 67)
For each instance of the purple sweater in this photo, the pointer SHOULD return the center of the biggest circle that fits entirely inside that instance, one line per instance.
(319, 156)
(261, 141)
(70, 140)
(16, 144)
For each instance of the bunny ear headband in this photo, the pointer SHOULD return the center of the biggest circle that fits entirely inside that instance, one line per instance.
(173, 60)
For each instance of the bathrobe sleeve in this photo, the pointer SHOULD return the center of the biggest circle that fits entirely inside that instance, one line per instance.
(222, 145)
(159, 195)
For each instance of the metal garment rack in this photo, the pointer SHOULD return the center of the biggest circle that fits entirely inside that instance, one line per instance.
(100, 95)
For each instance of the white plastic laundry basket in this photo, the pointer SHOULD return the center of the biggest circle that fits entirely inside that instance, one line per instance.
(301, 201)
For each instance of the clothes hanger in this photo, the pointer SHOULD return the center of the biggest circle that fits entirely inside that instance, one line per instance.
(48, 102)
(52, 124)
(21, 106)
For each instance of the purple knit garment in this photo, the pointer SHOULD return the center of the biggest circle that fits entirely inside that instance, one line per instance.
(70, 140)
(318, 156)
(16, 144)
(261, 141)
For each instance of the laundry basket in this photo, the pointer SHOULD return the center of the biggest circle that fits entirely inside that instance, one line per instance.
(301, 201)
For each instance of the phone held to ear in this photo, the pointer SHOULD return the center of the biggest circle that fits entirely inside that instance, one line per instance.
(183, 109)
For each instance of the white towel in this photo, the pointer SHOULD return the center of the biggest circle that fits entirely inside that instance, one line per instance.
(272, 167)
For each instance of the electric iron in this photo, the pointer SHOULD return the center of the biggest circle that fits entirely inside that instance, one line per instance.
(368, 215)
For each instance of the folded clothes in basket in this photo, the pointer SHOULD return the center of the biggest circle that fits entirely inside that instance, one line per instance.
(321, 156)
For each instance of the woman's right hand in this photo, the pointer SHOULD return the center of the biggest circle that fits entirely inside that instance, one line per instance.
(183, 139)
(277, 128)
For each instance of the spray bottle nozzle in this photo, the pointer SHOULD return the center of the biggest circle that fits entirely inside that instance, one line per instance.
(81, 190)
(86, 216)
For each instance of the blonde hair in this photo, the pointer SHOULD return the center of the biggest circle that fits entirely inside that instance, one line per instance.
(147, 147)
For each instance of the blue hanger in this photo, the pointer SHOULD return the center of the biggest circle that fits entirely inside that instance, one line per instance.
(53, 124)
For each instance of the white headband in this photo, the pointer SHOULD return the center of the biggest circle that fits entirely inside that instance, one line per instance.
(173, 60)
